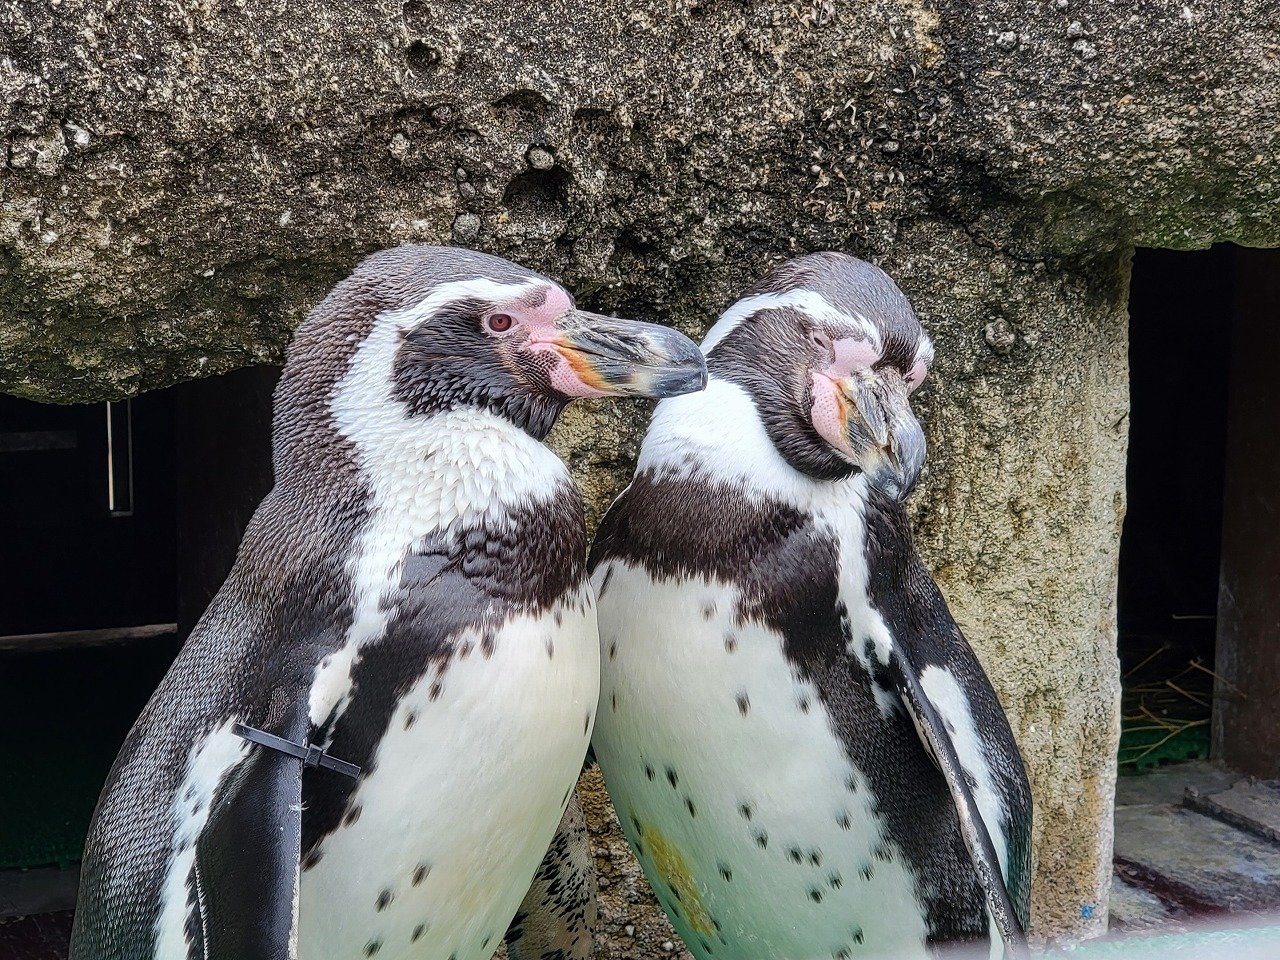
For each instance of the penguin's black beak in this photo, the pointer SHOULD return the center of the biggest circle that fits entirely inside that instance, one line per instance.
(611, 357)
(896, 476)
(883, 432)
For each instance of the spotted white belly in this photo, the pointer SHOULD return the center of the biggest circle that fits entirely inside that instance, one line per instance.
(758, 835)
(467, 788)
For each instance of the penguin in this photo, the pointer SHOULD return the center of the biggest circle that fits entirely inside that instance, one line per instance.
(802, 749)
(558, 917)
(366, 744)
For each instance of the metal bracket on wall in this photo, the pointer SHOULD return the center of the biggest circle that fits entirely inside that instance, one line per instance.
(120, 458)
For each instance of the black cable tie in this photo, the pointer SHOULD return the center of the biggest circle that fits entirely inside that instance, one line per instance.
(309, 754)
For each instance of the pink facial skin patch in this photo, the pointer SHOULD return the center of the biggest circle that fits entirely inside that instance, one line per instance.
(539, 318)
(569, 373)
(830, 408)
(915, 376)
(828, 412)
(573, 376)
(851, 355)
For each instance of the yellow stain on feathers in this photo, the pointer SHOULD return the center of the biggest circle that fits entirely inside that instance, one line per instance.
(673, 868)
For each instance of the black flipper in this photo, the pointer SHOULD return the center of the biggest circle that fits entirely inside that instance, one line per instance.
(247, 858)
(986, 863)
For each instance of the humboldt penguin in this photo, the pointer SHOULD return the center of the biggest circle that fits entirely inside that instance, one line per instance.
(367, 742)
(802, 749)
(558, 917)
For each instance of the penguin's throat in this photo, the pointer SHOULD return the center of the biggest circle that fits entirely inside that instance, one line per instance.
(461, 465)
(719, 437)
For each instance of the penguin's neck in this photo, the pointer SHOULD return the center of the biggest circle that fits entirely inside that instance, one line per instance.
(717, 436)
(435, 470)
(456, 468)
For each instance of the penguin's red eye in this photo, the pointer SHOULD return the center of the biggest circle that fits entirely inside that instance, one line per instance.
(500, 322)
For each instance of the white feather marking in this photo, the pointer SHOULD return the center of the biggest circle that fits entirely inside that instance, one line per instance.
(719, 432)
(297, 895)
(424, 474)
(839, 509)
(807, 301)
(208, 765)
(924, 351)
(949, 700)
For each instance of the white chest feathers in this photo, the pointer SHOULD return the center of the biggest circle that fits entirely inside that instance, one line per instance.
(450, 470)
(440, 842)
(761, 838)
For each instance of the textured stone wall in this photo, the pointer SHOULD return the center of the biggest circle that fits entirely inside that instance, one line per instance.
(183, 179)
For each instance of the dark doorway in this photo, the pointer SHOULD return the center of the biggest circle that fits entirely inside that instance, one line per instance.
(119, 523)
(1180, 328)
(1246, 722)
(88, 500)
(87, 604)
(1199, 591)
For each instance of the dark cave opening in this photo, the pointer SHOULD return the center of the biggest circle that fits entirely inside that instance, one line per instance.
(1199, 590)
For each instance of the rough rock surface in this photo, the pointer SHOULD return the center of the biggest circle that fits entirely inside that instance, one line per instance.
(183, 179)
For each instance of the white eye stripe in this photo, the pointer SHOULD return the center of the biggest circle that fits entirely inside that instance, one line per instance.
(924, 351)
(806, 301)
(482, 289)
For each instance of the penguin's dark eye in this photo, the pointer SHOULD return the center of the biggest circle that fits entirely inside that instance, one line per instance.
(500, 322)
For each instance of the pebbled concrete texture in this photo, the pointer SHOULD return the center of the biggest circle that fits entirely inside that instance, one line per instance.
(183, 179)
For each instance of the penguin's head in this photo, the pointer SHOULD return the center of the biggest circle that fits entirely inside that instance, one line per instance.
(420, 330)
(830, 351)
